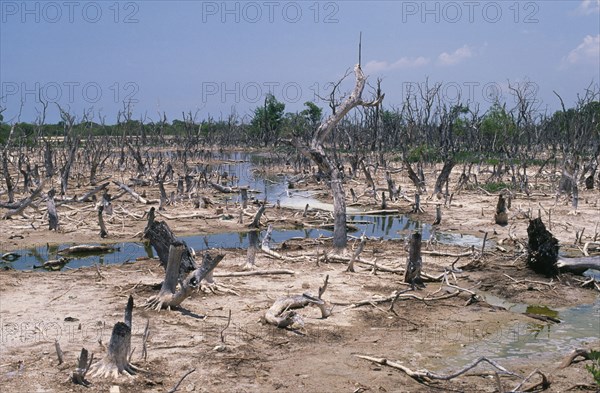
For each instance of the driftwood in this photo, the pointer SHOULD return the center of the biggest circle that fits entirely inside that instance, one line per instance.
(171, 296)
(570, 358)
(282, 314)
(578, 265)
(116, 360)
(425, 375)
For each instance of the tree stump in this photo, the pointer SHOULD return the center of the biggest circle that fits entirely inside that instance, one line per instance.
(116, 360)
(542, 249)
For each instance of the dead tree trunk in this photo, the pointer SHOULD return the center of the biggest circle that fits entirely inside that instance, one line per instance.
(256, 221)
(542, 249)
(83, 365)
(66, 170)
(359, 249)
(327, 163)
(5, 171)
(161, 237)
(103, 231)
(414, 262)
(116, 361)
(252, 248)
(501, 216)
(438, 215)
(171, 296)
(244, 197)
(52, 214)
(391, 186)
(443, 176)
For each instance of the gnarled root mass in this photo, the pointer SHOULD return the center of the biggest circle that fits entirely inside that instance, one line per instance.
(282, 314)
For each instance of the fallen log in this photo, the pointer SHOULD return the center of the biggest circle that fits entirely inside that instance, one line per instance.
(578, 265)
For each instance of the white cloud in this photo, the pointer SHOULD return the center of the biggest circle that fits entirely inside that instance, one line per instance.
(588, 7)
(586, 52)
(455, 57)
(375, 66)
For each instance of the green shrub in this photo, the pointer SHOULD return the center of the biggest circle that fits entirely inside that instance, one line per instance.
(594, 368)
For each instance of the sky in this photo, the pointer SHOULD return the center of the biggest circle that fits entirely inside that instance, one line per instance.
(217, 58)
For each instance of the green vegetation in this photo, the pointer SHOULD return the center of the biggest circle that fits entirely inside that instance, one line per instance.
(594, 368)
(494, 187)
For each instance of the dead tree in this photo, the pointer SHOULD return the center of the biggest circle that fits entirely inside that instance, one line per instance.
(172, 296)
(501, 216)
(438, 214)
(256, 221)
(161, 237)
(414, 262)
(252, 248)
(103, 231)
(326, 162)
(116, 360)
(359, 249)
(5, 171)
(542, 249)
(52, 214)
(391, 186)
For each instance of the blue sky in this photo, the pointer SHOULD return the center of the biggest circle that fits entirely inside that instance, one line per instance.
(214, 58)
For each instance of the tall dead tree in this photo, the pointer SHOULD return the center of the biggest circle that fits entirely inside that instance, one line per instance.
(326, 162)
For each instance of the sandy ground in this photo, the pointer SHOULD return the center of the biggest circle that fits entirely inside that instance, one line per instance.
(78, 307)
